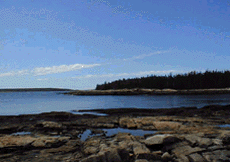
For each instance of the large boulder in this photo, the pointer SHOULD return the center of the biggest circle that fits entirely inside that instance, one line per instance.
(210, 157)
(196, 158)
(194, 140)
(161, 139)
(127, 122)
(156, 140)
(124, 137)
(111, 155)
(91, 146)
(166, 125)
(218, 155)
(94, 158)
(148, 122)
(226, 139)
(49, 124)
(166, 157)
(139, 148)
(141, 160)
(224, 155)
(186, 150)
(69, 147)
(182, 158)
(49, 141)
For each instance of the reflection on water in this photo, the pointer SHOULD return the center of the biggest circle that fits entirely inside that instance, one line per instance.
(224, 126)
(21, 133)
(86, 134)
(134, 132)
(90, 113)
(14, 103)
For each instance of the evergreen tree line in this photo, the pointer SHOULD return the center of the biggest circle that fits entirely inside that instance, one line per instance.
(191, 80)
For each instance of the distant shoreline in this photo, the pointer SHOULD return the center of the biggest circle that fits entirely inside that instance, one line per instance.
(137, 91)
(33, 89)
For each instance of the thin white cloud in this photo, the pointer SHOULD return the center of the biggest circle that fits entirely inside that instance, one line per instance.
(49, 70)
(23, 72)
(41, 79)
(14, 73)
(7, 74)
(146, 55)
(141, 73)
(94, 76)
(61, 69)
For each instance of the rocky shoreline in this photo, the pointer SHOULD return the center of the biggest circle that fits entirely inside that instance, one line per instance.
(179, 134)
(139, 91)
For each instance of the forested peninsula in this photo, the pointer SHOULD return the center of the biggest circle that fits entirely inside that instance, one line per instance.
(191, 80)
(192, 83)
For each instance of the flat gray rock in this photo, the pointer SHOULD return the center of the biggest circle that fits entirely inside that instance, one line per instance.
(196, 158)
(161, 139)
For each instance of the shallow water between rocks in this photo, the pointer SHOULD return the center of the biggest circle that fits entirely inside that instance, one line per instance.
(109, 132)
(21, 133)
(224, 126)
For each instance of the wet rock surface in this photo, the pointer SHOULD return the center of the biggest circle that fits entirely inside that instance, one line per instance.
(56, 136)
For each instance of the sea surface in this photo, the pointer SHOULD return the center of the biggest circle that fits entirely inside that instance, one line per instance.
(15, 103)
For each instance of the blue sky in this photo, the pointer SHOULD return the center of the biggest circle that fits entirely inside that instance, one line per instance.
(80, 43)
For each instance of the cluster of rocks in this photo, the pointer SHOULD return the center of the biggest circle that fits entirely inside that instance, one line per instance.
(160, 147)
(56, 136)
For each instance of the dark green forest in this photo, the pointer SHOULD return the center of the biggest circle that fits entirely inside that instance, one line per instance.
(191, 80)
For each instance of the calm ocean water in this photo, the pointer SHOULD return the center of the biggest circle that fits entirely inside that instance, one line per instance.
(15, 103)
